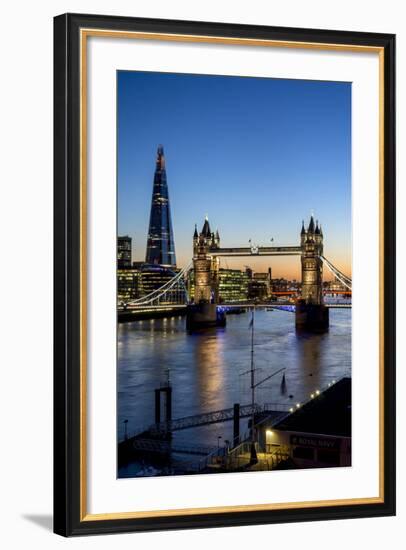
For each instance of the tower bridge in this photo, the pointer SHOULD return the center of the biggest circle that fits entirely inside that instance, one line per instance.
(311, 313)
(311, 310)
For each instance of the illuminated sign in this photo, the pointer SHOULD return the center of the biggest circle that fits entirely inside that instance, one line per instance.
(316, 442)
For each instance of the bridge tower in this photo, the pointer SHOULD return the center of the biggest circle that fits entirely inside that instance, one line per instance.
(311, 313)
(202, 264)
(203, 312)
(312, 266)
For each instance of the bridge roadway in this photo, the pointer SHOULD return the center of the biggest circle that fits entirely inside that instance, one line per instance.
(257, 251)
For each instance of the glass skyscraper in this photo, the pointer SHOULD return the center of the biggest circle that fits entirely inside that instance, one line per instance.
(160, 244)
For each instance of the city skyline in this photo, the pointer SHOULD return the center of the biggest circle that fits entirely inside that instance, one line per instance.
(255, 167)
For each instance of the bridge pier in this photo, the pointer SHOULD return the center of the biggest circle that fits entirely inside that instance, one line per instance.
(311, 317)
(204, 315)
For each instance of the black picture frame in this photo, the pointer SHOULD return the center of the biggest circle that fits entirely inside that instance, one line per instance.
(67, 352)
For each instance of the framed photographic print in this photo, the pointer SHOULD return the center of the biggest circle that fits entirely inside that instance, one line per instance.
(224, 274)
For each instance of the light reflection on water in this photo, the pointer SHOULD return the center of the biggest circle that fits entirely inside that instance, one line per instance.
(205, 368)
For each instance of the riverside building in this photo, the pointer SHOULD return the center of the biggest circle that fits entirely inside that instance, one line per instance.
(128, 284)
(316, 434)
(233, 285)
(124, 251)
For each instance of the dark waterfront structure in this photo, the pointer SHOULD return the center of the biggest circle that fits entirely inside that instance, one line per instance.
(317, 434)
(124, 251)
(160, 244)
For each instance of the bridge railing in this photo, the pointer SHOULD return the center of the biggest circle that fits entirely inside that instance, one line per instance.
(212, 417)
(164, 289)
(346, 281)
(239, 457)
(277, 407)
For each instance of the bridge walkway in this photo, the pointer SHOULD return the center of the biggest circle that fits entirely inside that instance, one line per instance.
(214, 417)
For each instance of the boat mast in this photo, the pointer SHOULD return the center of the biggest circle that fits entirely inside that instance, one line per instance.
(253, 458)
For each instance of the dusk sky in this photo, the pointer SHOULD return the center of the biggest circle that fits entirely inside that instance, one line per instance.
(257, 155)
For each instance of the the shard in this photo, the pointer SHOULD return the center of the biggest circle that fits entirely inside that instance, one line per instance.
(160, 244)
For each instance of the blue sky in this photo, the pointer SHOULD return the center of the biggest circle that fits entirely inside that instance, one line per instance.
(257, 155)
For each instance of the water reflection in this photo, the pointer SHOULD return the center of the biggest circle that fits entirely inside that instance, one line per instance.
(209, 363)
(206, 368)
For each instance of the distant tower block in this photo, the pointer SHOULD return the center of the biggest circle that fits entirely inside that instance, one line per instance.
(311, 313)
(160, 244)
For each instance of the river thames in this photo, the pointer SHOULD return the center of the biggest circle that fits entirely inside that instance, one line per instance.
(207, 369)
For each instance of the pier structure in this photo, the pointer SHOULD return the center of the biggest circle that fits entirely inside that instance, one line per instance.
(314, 433)
(158, 438)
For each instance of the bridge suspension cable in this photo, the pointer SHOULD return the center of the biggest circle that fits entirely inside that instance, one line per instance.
(346, 281)
(156, 294)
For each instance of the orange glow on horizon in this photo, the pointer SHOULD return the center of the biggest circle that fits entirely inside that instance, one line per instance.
(287, 267)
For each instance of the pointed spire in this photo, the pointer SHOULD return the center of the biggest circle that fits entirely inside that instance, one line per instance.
(160, 158)
(311, 225)
(317, 230)
(206, 227)
(217, 235)
(303, 231)
(321, 231)
(195, 234)
(160, 243)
